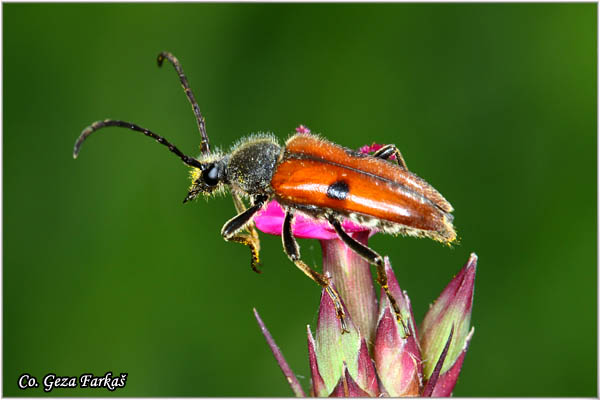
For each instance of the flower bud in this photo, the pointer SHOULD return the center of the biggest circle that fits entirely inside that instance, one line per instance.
(397, 356)
(446, 332)
(339, 361)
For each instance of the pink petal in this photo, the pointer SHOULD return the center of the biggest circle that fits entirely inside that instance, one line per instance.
(302, 129)
(366, 149)
(270, 220)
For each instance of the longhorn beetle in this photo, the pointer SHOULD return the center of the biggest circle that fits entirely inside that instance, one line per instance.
(314, 177)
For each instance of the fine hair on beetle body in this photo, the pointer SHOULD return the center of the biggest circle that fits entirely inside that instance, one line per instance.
(314, 177)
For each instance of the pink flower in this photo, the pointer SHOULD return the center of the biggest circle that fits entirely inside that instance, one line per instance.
(270, 220)
(302, 129)
(375, 358)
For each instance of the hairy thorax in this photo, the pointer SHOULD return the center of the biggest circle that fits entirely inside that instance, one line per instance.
(252, 163)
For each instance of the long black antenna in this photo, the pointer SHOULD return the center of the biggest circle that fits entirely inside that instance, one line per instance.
(192, 162)
(204, 145)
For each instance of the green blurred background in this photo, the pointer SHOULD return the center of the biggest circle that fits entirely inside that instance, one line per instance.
(106, 270)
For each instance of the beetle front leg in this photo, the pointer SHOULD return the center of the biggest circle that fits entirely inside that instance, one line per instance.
(291, 248)
(374, 258)
(240, 207)
(231, 229)
(389, 150)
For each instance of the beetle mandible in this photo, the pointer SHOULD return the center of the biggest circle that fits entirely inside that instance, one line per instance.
(312, 176)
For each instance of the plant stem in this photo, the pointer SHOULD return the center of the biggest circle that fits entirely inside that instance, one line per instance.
(352, 277)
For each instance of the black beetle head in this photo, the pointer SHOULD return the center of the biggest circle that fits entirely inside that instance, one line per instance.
(208, 179)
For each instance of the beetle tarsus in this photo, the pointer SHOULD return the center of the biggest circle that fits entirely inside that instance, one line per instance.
(338, 308)
(249, 241)
(395, 307)
(231, 229)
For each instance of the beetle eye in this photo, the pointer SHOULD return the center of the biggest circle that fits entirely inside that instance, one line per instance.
(211, 175)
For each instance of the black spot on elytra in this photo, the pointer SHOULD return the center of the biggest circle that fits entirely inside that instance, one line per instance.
(338, 190)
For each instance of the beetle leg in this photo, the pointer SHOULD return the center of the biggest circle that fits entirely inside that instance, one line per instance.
(374, 258)
(387, 151)
(291, 248)
(240, 208)
(231, 229)
(249, 241)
